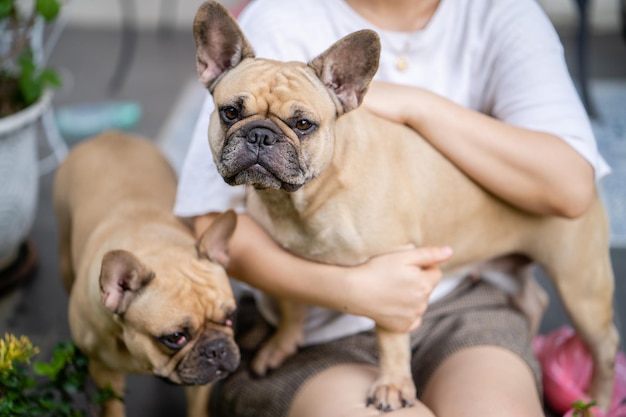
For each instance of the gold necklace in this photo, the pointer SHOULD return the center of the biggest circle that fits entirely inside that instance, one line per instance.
(402, 56)
(402, 61)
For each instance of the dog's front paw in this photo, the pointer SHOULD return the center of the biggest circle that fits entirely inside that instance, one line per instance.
(275, 351)
(388, 394)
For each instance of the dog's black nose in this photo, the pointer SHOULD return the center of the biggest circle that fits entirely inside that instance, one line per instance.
(216, 351)
(221, 354)
(261, 136)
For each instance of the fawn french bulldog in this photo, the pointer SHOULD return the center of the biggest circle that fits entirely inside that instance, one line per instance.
(145, 296)
(334, 183)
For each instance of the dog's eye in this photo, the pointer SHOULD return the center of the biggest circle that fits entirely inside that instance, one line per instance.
(229, 319)
(303, 125)
(229, 114)
(175, 340)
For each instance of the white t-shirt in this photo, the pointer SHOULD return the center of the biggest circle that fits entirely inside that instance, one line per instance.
(499, 57)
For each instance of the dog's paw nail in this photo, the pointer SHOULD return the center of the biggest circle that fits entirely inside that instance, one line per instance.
(370, 401)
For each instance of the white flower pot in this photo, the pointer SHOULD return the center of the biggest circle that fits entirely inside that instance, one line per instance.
(19, 177)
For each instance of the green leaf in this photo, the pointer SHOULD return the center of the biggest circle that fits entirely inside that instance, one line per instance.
(50, 77)
(5, 8)
(29, 87)
(48, 402)
(582, 409)
(32, 84)
(105, 394)
(48, 9)
(62, 354)
(27, 62)
(72, 387)
(42, 368)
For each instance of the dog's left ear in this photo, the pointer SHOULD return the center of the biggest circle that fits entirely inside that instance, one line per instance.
(213, 244)
(122, 276)
(220, 43)
(348, 66)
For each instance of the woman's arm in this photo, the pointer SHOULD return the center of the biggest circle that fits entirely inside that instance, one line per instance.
(391, 289)
(535, 171)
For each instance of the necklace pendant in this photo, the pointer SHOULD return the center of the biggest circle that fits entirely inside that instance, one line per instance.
(402, 63)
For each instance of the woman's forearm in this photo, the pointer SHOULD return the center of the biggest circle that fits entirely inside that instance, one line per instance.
(391, 289)
(258, 261)
(535, 171)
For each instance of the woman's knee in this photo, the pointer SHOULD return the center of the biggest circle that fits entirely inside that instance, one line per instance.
(341, 391)
(483, 381)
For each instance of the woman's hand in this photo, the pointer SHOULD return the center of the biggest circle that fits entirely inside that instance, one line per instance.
(393, 289)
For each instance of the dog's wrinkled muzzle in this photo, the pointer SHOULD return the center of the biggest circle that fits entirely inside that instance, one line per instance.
(260, 155)
(211, 359)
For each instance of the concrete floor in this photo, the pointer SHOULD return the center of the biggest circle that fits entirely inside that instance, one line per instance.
(160, 71)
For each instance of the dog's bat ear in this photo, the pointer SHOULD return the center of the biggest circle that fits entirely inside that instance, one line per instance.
(220, 43)
(213, 244)
(348, 66)
(122, 275)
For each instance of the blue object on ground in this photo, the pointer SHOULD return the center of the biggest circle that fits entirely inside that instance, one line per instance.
(80, 121)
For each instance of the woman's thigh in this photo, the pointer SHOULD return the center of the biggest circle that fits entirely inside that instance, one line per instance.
(483, 381)
(479, 381)
(341, 391)
(476, 314)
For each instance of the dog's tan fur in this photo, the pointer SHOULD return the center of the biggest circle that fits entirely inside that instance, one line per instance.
(356, 185)
(135, 273)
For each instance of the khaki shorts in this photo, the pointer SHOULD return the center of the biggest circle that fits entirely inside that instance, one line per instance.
(475, 313)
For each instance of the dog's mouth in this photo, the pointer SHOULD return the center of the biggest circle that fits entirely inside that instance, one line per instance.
(210, 360)
(261, 178)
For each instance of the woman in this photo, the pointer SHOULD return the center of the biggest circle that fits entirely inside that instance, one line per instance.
(485, 82)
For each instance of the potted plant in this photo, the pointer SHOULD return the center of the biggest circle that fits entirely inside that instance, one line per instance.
(60, 387)
(24, 97)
